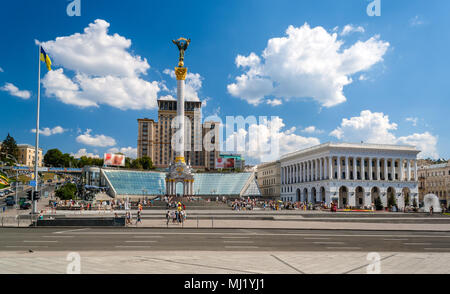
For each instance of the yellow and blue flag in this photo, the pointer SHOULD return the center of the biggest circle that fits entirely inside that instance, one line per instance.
(46, 59)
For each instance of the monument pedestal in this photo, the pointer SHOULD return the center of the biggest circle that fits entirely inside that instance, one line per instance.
(179, 172)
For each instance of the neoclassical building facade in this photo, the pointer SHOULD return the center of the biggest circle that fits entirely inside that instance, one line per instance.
(350, 174)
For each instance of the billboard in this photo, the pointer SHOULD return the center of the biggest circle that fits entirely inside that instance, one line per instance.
(114, 159)
(224, 162)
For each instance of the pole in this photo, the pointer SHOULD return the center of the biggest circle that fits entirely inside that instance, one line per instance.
(36, 152)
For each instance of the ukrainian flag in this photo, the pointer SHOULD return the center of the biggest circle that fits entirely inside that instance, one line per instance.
(46, 59)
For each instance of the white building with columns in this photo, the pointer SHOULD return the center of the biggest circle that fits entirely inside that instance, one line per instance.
(350, 174)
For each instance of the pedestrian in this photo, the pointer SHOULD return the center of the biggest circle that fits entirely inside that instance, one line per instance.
(431, 210)
(167, 217)
(138, 218)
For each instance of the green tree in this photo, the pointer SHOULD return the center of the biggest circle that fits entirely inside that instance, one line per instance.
(378, 204)
(66, 192)
(143, 163)
(53, 157)
(9, 146)
(391, 201)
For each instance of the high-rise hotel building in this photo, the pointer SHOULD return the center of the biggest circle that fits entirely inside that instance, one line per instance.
(155, 137)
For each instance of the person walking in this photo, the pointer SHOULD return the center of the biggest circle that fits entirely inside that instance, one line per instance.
(431, 210)
(167, 217)
(138, 218)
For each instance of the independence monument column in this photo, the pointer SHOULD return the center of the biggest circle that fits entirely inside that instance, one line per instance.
(178, 170)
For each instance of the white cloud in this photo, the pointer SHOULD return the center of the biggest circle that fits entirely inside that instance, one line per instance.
(128, 151)
(193, 84)
(375, 127)
(416, 21)
(348, 29)
(312, 130)
(413, 120)
(96, 140)
(274, 102)
(258, 140)
(14, 91)
(105, 72)
(48, 132)
(83, 152)
(308, 62)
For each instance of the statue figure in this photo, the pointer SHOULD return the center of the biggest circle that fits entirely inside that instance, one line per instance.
(182, 45)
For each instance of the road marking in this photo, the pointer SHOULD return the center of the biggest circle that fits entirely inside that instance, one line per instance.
(316, 238)
(436, 248)
(235, 247)
(27, 246)
(124, 246)
(256, 234)
(393, 239)
(76, 230)
(141, 241)
(345, 248)
(58, 236)
(36, 241)
(237, 241)
(147, 236)
(235, 237)
(325, 243)
(418, 244)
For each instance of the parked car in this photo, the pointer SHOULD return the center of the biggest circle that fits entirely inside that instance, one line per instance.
(25, 205)
(10, 201)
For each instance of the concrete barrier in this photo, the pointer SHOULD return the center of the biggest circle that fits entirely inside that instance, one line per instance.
(82, 222)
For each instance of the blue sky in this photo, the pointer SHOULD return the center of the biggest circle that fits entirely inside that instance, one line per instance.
(381, 80)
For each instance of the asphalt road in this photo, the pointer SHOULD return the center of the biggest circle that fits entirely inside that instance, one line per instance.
(142, 239)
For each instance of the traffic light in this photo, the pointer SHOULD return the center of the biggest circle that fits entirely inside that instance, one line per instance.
(29, 193)
(37, 195)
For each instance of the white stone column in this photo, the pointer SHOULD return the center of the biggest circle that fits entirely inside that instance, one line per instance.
(415, 170)
(385, 169)
(355, 174)
(402, 169)
(320, 169)
(370, 168)
(339, 174)
(330, 167)
(316, 162)
(363, 169)
(180, 115)
(310, 170)
(377, 169)
(409, 170)
(347, 169)
(393, 169)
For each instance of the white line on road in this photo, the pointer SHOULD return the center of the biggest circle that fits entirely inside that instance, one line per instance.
(393, 239)
(141, 241)
(28, 246)
(345, 248)
(124, 246)
(236, 247)
(418, 244)
(325, 243)
(40, 241)
(147, 236)
(237, 241)
(58, 236)
(76, 230)
(316, 238)
(235, 237)
(437, 248)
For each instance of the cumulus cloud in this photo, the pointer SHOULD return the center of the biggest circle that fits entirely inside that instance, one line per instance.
(95, 140)
(311, 130)
(306, 63)
(412, 120)
(104, 71)
(348, 29)
(14, 91)
(193, 84)
(274, 102)
(267, 141)
(83, 152)
(375, 127)
(128, 151)
(48, 132)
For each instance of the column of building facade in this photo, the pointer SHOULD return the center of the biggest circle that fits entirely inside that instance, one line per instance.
(363, 168)
(415, 170)
(409, 170)
(401, 170)
(385, 169)
(347, 168)
(330, 167)
(393, 168)
(370, 168)
(355, 174)
(320, 169)
(338, 166)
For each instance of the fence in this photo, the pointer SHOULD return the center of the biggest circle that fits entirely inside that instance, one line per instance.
(18, 221)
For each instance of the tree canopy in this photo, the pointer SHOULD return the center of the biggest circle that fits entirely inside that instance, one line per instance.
(9, 146)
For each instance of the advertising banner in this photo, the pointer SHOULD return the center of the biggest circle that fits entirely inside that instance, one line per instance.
(224, 162)
(114, 159)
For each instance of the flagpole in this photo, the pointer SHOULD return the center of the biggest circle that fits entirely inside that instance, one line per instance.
(36, 152)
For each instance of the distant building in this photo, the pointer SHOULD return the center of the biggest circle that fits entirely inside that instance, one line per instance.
(26, 155)
(350, 174)
(154, 137)
(269, 179)
(435, 179)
